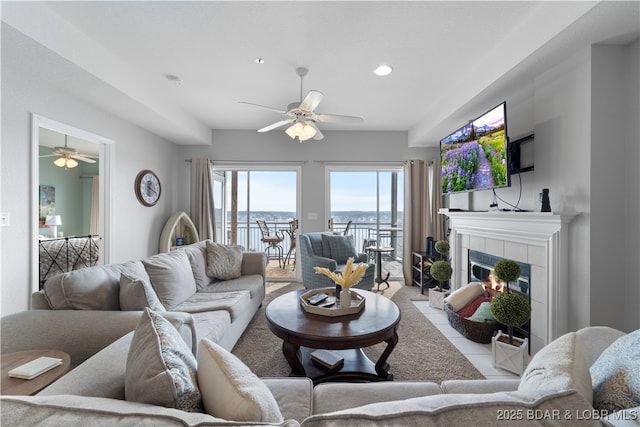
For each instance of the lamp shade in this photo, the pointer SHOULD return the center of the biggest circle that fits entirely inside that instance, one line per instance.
(53, 220)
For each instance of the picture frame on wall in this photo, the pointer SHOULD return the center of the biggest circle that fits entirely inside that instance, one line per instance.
(47, 203)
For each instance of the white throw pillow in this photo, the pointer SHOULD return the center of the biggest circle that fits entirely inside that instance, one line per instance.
(463, 296)
(230, 390)
(560, 365)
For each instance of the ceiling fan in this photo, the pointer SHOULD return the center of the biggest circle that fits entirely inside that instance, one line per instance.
(301, 116)
(67, 156)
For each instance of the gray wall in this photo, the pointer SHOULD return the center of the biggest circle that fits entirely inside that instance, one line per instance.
(136, 229)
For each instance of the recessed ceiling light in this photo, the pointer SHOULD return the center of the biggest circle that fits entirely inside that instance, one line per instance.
(383, 70)
(259, 61)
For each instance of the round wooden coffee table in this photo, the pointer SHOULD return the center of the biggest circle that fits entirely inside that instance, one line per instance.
(303, 332)
(16, 386)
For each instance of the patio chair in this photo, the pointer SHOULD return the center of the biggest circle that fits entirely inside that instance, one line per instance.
(272, 240)
(293, 225)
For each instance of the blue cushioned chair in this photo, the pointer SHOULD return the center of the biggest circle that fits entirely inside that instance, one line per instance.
(331, 251)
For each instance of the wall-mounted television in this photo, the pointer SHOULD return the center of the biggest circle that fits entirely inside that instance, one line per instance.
(476, 156)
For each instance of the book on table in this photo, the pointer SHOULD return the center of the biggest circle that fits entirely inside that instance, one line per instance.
(327, 359)
(35, 367)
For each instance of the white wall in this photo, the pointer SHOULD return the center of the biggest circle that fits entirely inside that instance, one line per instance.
(136, 229)
(229, 145)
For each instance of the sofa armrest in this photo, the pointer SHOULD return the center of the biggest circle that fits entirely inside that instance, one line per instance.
(479, 386)
(254, 263)
(320, 261)
(80, 333)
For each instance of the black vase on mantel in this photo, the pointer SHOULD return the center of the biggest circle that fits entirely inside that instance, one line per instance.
(544, 199)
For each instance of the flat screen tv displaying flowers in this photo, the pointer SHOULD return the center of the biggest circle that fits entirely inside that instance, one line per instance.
(475, 157)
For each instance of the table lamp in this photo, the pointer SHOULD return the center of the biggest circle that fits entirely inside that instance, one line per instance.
(53, 221)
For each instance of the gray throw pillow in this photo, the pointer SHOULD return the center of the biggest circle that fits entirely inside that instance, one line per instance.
(161, 369)
(616, 375)
(224, 262)
(136, 294)
(341, 248)
(171, 277)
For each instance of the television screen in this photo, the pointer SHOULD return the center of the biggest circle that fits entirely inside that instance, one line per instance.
(474, 157)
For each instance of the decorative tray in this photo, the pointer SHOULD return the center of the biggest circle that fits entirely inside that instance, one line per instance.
(357, 303)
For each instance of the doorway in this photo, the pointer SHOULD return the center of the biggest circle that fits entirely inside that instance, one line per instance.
(45, 133)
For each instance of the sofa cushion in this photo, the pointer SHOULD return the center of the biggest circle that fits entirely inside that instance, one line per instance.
(213, 325)
(91, 288)
(463, 296)
(197, 255)
(254, 283)
(446, 410)
(616, 375)
(224, 262)
(234, 302)
(171, 277)
(161, 370)
(65, 410)
(559, 365)
(341, 248)
(136, 294)
(230, 390)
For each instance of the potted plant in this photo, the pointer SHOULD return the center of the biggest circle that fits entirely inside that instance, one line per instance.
(441, 271)
(512, 310)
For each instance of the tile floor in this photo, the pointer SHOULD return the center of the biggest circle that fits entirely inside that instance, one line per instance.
(478, 354)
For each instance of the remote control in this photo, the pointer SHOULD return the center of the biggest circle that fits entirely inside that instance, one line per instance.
(317, 298)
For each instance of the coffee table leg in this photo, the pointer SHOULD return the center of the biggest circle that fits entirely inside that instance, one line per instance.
(382, 367)
(291, 353)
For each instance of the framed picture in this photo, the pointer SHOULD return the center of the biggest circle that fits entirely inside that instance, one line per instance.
(47, 203)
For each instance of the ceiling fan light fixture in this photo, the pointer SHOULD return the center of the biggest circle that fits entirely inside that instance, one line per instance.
(301, 130)
(308, 132)
(71, 163)
(60, 162)
(383, 70)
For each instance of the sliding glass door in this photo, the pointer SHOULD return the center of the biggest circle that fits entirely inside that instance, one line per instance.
(253, 195)
(373, 200)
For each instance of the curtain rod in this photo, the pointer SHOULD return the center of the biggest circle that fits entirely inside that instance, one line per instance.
(360, 162)
(254, 162)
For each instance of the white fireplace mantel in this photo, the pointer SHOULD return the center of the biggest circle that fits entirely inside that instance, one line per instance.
(536, 238)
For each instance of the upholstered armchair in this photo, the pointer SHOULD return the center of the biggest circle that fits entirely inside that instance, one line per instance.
(331, 251)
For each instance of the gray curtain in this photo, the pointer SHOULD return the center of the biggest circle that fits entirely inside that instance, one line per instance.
(423, 199)
(202, 208)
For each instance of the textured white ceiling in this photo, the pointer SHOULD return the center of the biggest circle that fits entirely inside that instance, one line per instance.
(452, 60)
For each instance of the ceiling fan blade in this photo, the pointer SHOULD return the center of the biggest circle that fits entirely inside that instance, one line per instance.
(336, 118)
(50, 155)
(275, 125)
(318, 136)
(277, 110)
(83, 159)
(311, 101)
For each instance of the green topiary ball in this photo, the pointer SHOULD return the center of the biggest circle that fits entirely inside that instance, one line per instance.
(441, 271)
(510, 309)
(442, 247)
(507, 270)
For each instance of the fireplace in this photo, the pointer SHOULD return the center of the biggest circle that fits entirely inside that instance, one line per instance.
(480, 269)
(537, 239)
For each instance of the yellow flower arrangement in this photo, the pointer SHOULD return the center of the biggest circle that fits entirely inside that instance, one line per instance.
(352, 274)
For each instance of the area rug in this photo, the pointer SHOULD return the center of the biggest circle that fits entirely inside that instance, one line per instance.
(422, 352)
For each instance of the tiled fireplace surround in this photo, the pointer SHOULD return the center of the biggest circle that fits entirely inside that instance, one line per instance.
(536, 238)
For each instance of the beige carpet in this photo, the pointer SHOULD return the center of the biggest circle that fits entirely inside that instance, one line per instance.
(422, 352)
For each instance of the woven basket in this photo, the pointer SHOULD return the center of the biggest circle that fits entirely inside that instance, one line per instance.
(480, 332)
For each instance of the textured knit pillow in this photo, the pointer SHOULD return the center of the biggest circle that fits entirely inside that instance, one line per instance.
(161, 369)
(136, 294)
(341, 248)
(616, 375)
(560, 365)
(224, 262)
(230, 390)
(483, 313)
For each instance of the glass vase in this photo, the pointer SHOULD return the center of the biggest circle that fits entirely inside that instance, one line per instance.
(345, 298)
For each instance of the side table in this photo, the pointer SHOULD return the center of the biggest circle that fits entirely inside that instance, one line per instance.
(18, 386)
(379, 251)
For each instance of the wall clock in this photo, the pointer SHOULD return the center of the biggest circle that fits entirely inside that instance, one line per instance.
(147, 187)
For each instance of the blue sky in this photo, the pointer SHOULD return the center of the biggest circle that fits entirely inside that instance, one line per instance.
(275, 191)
